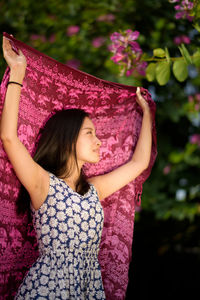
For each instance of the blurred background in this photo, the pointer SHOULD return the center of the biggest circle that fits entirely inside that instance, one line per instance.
(157, 45)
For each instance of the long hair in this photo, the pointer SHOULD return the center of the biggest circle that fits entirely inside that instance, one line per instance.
(56, 145)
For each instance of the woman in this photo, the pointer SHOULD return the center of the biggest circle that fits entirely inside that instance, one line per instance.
(67, 213)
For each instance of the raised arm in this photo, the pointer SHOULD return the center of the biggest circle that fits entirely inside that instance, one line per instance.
(32, 176)
(113, 181)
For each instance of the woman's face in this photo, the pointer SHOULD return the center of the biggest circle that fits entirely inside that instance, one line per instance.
(88, 145)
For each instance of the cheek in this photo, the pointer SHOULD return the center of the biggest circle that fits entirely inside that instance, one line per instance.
(79, 147)
(82, 146)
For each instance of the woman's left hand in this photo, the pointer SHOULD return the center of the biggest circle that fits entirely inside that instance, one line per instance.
(141, 101)
(14, 61)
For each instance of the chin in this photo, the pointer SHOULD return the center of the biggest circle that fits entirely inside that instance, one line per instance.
(94, 161)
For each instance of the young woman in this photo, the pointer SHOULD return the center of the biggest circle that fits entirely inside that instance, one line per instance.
(66, 209)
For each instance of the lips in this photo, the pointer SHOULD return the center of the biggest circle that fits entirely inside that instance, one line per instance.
(96, 150)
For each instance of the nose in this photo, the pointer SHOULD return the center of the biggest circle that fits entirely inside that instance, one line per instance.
(98, 142)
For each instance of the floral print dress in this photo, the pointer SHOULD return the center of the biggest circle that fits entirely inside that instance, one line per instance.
(68, 227)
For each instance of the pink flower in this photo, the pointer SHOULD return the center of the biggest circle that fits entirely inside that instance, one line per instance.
(129, 72)
(98, 42)
(117, 57)
(127, 52)
(185, 39)
(184, 10)
(35, 37)
(190, 99)
(74, 63)
(132, 35)
(181, 39)
(72, 30)
(167, 169)
(198, 97)
(177, 40)
(141, 67)
(115, 47)
(106, 18)
(135, 47)
(195, 100)
(179, 15)
(116, 36)
(52, 38)
(195, 139)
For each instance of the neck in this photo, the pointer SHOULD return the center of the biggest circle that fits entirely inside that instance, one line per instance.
(72, 179)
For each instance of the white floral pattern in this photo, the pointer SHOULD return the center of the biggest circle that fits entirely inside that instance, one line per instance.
(68, 228)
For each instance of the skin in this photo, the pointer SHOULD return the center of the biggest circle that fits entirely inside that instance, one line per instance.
(88, 145)
(34, 178)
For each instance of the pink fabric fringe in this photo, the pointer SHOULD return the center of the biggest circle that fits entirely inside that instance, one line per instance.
(49, 86)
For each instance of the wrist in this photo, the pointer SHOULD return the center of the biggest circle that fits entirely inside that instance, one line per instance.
(18, 71)
(147, 114)
(146, 110)
(17, 75)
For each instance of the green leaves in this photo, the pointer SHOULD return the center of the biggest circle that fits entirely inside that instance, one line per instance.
(196, 58)
(180, 70)
(185, 54)
(180, 67)
(151, 71)
(160, 70)
(159, 52)
(163, 72)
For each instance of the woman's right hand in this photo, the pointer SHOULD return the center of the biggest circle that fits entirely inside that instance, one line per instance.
(16, 62)
(141, 100)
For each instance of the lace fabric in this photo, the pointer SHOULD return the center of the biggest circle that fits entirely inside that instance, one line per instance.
(49, 86)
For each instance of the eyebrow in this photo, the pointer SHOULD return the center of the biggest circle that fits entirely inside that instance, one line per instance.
(89, 128)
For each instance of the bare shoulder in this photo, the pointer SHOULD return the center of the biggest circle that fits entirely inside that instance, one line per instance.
(95, 182)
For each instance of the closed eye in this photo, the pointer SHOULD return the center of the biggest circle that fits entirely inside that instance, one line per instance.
(89, 130)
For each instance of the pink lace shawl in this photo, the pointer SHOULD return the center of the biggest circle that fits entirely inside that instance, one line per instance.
(49, 86)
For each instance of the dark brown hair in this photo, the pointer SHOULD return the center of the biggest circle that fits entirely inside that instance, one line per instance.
(57, 143)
